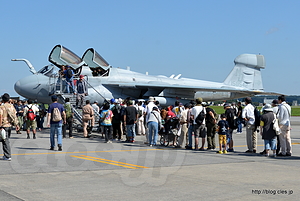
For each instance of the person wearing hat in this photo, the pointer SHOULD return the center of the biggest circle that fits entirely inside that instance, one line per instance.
(251, 135)
(147, 110)
(230, 118)
(266, 130)
(81, 91)
(55, 126)
(153, 123)
(8, 118)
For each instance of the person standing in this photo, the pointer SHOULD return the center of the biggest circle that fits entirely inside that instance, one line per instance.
(87, 118)
(140, 124)
(55, 119)
(117, 120)
(284, 114)
(154, 120)
(130, 118)
(211, 125)
(69, 119)
(266, 130)
(69, 75)
(8, 118)
(81, 91)
(106, 121)
(30, 112)
(183, 120)
(20, 111)
(251, 135)
(147, 110)
(223, 128)
(275, 111)
(239, 118)
(199, 129)
(230, 116)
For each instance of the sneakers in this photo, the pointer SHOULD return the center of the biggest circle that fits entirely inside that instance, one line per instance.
(59, 148)
(230, 150)
(224, 152)
(71, 137)
(108, 141)
(219, 152)
(6, 159)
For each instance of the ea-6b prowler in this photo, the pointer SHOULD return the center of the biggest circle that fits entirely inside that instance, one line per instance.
(106, 82)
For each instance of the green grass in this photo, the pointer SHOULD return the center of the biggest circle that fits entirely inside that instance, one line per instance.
(220, 110)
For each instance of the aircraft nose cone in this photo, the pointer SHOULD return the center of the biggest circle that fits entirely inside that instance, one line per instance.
(27, 87)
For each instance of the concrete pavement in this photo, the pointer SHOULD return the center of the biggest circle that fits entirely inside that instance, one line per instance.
(89, 169)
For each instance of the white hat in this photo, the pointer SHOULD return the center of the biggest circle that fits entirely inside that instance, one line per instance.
(268, 107)
(151, 98)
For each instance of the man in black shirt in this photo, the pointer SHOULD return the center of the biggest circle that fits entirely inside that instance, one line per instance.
(130, 118)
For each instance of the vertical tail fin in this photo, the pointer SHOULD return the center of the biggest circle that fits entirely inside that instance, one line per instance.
(246, 72)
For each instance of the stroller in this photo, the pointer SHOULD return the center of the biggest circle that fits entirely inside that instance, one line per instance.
(169, 133)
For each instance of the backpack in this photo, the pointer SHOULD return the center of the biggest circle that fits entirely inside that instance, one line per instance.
(200, 118)
(56, 115)
(230, 115)
(30, 114)
(69, 73)
(68, 110)
(257, 117)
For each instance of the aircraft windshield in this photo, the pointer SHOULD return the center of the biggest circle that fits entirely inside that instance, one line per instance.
(60, 56)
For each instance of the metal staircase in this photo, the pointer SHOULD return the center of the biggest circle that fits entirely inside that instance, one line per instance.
(57, 87)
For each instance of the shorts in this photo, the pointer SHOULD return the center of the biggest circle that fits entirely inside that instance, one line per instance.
(222, 139)
(200, 130)
(31, 124)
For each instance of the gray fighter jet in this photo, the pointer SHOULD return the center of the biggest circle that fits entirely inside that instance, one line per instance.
(106, 82)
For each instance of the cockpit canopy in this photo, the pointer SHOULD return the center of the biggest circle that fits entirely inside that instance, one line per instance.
(61, 56)
(93, 59)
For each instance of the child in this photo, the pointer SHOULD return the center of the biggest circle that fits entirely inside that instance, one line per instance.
(223, 128)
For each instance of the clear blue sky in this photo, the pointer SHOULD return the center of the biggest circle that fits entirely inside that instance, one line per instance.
(197, 38)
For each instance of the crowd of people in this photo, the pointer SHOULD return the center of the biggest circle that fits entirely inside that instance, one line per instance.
(187, 122)
(197, 119)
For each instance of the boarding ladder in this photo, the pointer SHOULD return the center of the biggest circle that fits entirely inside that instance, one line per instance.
(56, 87)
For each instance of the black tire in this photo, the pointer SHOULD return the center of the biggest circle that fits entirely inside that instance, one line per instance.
(164, 140)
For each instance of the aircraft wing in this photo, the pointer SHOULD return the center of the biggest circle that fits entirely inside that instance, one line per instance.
(165, 89)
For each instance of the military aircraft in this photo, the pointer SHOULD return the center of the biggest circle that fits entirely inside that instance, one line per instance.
(106, 82)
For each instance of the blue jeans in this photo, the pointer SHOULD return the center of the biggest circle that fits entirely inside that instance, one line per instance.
(153, 131)
(190, 133)
(270, 144)
(130, 130)
(55, 129)
(70, 85)
(239, 125)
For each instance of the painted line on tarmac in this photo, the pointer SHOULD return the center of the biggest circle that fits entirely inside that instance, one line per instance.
(111, 162)
(83, 152)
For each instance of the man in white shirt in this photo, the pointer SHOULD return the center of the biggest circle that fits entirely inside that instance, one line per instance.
(199, 129)
(284, 114)
(251, 135)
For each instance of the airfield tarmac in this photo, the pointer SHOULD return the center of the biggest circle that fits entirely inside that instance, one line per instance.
(89, 169)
